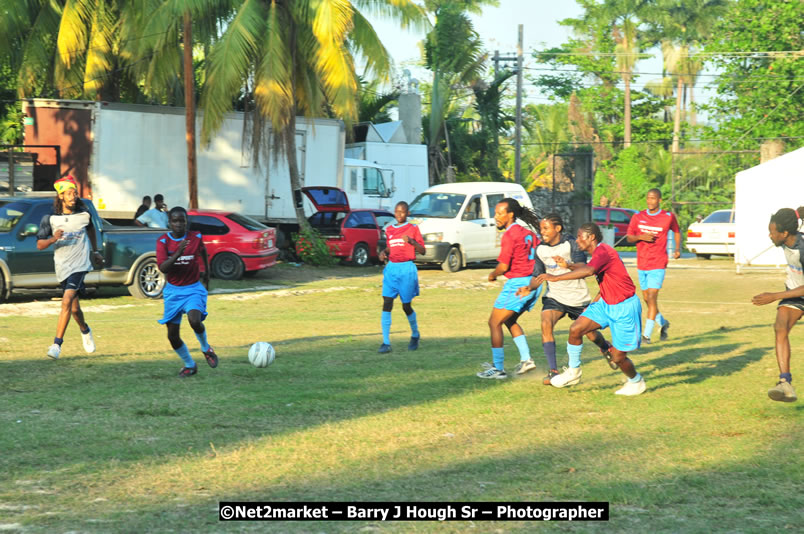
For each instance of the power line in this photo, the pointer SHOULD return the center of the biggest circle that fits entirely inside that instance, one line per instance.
(593, 73)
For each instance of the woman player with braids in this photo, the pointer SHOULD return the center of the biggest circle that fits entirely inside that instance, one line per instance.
(568, 297)
(784, 233)
(515, 262)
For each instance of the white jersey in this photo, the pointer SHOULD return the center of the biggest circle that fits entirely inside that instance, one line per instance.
(71, 252)
(572, 293)
(794, 257)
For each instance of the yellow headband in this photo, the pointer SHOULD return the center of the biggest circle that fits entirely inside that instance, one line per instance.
(64, 184)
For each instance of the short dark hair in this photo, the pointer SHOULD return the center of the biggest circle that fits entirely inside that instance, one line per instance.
(145, 199)
(656, 191)
(159, 198)
(402, 203)
(593, 230)
(177, 209)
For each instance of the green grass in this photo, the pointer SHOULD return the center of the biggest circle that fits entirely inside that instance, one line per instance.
(114, 442)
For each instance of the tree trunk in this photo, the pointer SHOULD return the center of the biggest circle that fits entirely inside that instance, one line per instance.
(627, 132)
(293, 167)
(693, 116)
(677, 121)
(189, 111)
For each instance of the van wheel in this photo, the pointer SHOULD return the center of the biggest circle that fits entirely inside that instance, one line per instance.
(149, 281)
(360, 255)
(453, 261)
(227, 266)
(703, 256)
(2, 288)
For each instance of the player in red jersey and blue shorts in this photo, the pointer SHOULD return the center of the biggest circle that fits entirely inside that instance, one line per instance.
(649, 230)
(179, 254)
(616, 307)
(400, 277)
(515, 262)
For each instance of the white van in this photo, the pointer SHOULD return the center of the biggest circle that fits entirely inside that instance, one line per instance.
(457, 221)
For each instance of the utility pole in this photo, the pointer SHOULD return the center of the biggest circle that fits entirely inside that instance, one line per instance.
(518, 133)
(189, 111)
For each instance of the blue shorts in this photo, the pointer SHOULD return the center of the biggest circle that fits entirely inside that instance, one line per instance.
(181, 299)
(74, 282)
(624, 319)
(400, 279)
(651, 279)
(508, 299)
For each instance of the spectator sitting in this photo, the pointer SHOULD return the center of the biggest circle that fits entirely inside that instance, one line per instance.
(155, 217)
(145, 206)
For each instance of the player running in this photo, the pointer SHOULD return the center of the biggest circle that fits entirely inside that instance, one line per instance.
(616, 307)
(649, 229)
(784, 233)
(515, 262)
(179, 254)
(400, 277)
(71, 231)
(570, 297)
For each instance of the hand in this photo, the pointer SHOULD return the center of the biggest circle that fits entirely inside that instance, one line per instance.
(205, 279)
(406, 238)
(763, 298)
(523, 291)
(542, 278)
(57, 234)
(383, 256)
(650, 238)
(492, 276)
(676, 254)
(560, 261)
(98, 258)
(182, 245)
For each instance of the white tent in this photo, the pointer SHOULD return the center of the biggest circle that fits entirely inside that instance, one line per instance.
(759, 193)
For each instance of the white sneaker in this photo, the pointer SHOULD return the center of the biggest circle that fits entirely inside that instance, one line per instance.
(492, 372)
(632, 388)
(89, 341)
(570, 377)
(54, 351)
(524, 367)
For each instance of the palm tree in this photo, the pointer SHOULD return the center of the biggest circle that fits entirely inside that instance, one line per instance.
(627, 52)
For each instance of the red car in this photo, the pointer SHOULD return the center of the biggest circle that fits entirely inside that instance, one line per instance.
(618, 218)
(350, 234)
(235, 243)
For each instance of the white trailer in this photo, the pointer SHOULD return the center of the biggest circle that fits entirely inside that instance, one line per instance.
(407, 163)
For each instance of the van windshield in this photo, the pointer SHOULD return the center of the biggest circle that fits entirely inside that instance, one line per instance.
(441, 205)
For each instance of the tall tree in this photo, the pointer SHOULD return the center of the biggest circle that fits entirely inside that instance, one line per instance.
(297, 56)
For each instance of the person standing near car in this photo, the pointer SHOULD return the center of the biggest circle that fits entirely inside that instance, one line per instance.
(179, 254)
(400, 277)
(155, 217)
(70, 230)
(649, 230)
(783, 232)
(145, 206)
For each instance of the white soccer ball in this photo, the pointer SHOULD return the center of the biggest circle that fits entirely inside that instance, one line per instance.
(261, 354)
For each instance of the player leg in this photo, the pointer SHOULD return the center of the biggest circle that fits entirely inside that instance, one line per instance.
(190, 368)
(625, 320)
(572, 373)
(786, 318)
(196, 320)
(549, 319)
(496, 319)
(390, 290)
(518, 335)
(408, 290)
(86, 332)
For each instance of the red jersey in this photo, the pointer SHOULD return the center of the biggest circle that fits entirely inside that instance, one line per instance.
(652, 255)
(615, 284)
(518, 251)
(187, 268)
(399, 250)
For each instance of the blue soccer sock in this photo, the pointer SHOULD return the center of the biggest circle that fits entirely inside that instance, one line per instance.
(522, 344)
(386, 327)
(574, 354)
(660, 320)
(414, 326)
(648, 327)
(550, 354)
(498, 357)
(787, 376)
(184, 354)
(202, 338)
(636, 378)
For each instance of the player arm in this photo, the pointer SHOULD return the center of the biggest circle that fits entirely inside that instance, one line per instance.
(205, 258)
(498, 271)
(45, 236)
(93, 240)
(581, 271)
(161, 252)
(767, 298)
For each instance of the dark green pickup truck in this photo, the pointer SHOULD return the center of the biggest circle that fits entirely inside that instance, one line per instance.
(129, 252)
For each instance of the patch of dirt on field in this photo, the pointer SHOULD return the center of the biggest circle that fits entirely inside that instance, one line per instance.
(40, 309)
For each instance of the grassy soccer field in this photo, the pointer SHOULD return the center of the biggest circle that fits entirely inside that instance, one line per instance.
(115, 442)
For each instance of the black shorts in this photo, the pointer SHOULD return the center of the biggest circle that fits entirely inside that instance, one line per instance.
(797, 303)
(573, 311)
(75, 282)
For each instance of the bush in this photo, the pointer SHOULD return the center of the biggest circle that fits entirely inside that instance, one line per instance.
(312, 248)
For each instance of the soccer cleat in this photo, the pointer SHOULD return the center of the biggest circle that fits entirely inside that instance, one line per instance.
(549, 376)
(414, 343)
(607, 354)
(89, 342)
(188, 371)
(492, 372)
(665, 328)
(212, 358)
(570, 377)
(646, 340)
(54, 351)
(632, 388)
(783, 391)
(384, 348)
(525, 366)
